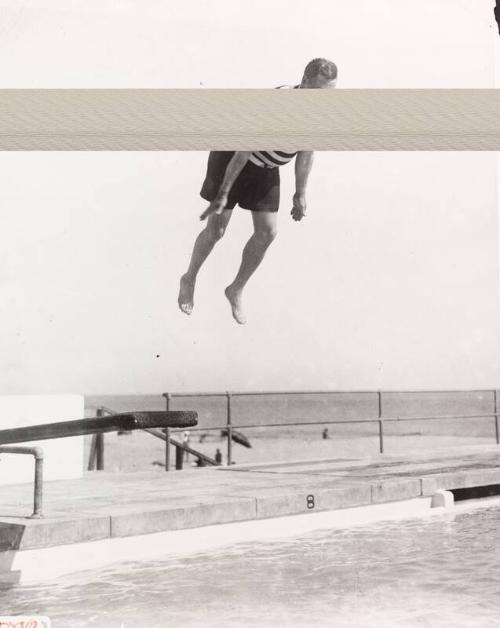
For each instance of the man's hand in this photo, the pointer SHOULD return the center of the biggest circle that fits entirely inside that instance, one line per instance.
(217, 206)
(236, 164)
(299, 206)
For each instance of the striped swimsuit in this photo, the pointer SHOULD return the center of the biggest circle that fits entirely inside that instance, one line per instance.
(257, 187)
(273, 158)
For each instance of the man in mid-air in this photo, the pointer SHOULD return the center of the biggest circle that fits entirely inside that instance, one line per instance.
(251, 180)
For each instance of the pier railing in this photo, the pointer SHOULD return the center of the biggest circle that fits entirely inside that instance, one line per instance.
(380, 420)
(228, 427)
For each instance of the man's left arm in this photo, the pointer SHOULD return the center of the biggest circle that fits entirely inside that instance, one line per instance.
(303, 165)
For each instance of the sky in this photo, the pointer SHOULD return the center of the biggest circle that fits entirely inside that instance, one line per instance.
(391, 281)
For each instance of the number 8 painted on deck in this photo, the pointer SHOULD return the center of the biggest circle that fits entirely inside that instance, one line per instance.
(310, 502)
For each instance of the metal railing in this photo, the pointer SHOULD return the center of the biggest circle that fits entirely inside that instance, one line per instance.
(97, 453)
(37, 452)
(380, 419)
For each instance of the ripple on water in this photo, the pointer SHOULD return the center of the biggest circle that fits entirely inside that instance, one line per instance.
(432, 572)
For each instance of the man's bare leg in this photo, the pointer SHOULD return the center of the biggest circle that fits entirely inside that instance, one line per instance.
(265, 229)
(205, 242)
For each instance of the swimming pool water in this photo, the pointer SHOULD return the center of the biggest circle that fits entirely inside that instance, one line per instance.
(441, 571)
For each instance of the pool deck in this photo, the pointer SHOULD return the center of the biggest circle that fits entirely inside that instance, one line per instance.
(103, 505)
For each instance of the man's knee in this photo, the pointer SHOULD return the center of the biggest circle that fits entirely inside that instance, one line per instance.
(215, 230)
(266, 234)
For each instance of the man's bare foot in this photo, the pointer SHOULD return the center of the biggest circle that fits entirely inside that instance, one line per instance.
(234, 298)
(186, 293)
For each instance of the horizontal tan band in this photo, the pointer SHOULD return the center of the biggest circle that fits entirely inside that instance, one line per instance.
(244, 119)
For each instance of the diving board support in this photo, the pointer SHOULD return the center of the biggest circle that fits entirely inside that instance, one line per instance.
(96, 456)
(183, 447)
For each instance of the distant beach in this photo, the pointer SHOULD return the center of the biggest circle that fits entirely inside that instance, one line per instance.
(141, 451)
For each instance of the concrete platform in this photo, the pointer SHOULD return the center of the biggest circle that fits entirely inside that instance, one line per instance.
(103, 506)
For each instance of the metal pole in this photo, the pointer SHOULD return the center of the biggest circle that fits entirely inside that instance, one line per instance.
(379, 394)
(37, 452)
(38, 499)
(99, 438)
(381, 435)
(497, 435)
(168, 397)
(229, 429)
(92, 454)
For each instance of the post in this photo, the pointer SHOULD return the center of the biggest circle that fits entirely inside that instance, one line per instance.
(99, 444)
(37, 502)
(497, 435)
(229, 429)
(179, 458)
(168, 397)
(381, 435)
(379, 394)
(92, 454)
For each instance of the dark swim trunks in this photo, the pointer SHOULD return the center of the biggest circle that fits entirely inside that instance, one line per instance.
(255, 188)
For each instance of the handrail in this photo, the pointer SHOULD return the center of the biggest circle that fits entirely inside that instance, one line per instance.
(37, 452)
(257, 393)
(379, 418)
(380, 423)
(341, 421)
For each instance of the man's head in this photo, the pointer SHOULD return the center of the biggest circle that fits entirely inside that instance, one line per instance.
(319, 73)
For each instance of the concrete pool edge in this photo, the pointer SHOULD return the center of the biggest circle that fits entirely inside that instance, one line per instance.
(35, 565)
(88, 521)
(243, 502)
(39, 565)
